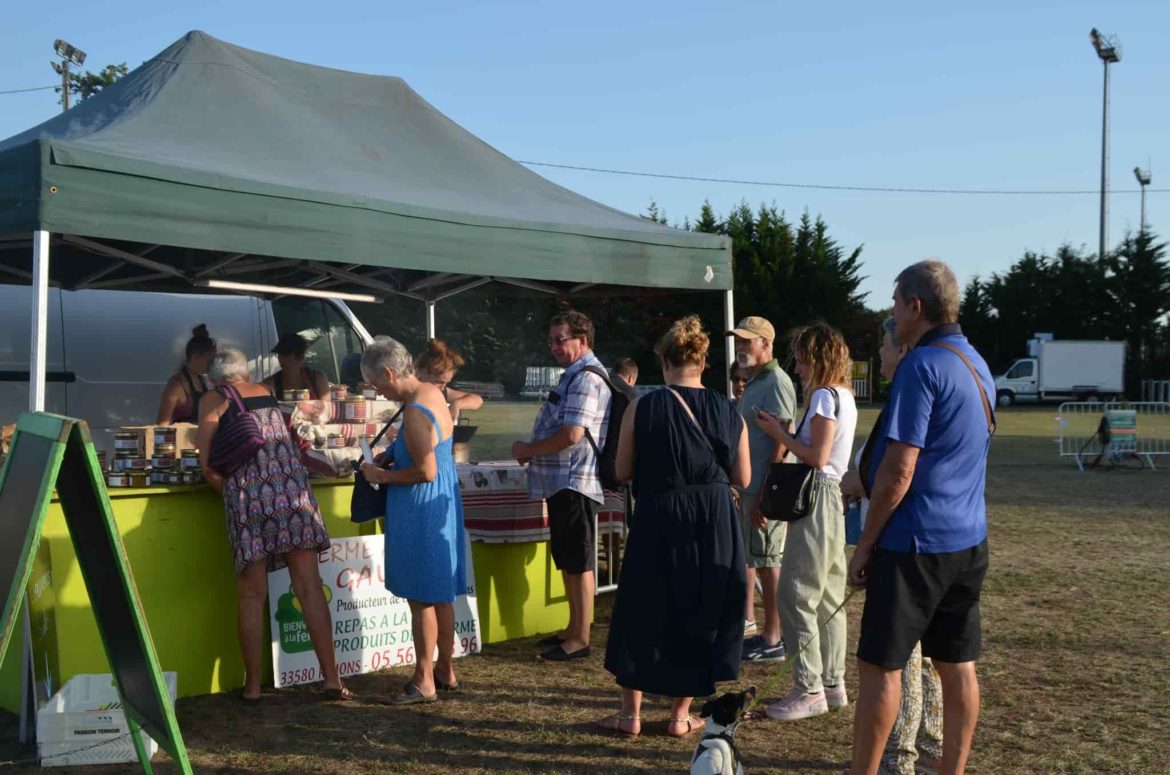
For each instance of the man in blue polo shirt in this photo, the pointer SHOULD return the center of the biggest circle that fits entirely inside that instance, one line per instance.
(923, 554)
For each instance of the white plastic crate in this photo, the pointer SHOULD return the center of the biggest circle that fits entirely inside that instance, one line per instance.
(86, 711)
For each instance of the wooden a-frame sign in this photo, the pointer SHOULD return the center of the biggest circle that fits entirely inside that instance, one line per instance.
(47, 452)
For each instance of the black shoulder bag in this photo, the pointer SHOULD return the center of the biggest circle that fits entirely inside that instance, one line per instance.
(366, 503)
(786, 494)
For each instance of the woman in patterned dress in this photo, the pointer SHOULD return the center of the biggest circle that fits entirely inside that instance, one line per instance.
(272, 521)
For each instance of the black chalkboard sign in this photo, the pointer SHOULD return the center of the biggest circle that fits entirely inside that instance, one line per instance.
(49, 451)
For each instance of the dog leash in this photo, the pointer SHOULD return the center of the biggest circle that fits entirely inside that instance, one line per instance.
(787, 666)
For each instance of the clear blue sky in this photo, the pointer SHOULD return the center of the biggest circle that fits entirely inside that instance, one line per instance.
(937, 95)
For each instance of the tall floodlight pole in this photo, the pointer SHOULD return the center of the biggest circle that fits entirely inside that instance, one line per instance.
(1108, 49)
(69, 55)
(1143, 178)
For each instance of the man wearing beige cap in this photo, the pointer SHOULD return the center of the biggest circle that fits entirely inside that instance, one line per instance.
(770, 389)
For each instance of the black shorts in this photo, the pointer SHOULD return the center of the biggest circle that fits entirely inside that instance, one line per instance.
(570, 527)
(933, 598)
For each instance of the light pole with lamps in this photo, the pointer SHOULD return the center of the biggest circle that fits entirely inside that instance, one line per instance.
(1143, 178)
(1108, 49)
(69, 54)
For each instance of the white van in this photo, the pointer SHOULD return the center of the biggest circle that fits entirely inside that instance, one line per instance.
(111, 352)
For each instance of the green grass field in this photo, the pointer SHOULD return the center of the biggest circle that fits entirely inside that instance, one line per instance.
(1074, 674)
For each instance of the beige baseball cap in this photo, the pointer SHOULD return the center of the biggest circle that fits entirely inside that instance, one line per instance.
(752, 327)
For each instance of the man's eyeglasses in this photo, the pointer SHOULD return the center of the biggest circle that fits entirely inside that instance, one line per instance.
(560, 340)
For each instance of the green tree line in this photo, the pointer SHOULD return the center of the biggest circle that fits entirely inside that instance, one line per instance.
(1123, 296)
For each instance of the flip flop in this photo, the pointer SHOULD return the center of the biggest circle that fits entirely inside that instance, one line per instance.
(410, 696)
(614, 723)
(448, 688)
(692, 726)
(336, 695)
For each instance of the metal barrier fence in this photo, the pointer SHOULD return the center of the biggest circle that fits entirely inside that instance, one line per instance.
(1092, 433)
(1156, 390)
(862, 381)
(609, 548)
(538, 380)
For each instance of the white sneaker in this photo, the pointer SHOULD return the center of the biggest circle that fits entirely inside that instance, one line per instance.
(836, 697)
(798, 704)
(749, 626)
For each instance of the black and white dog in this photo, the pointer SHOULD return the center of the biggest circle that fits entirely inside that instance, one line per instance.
(715, 753)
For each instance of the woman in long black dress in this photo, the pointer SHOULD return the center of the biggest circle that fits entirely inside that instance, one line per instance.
(677, 624)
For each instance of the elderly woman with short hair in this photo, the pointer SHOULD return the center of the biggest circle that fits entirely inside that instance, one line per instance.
(424, 517)
(272, 520)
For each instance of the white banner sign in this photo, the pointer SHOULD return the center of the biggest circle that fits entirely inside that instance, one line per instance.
(371, 626)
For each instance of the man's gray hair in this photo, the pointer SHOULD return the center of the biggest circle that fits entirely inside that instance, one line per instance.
(890, 328)
(935, 285)
(386, 353)
(228, 365)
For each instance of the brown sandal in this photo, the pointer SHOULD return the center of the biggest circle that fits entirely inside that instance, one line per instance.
(614, 723)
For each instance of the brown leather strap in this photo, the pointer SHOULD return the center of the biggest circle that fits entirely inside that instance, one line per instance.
(978, 383)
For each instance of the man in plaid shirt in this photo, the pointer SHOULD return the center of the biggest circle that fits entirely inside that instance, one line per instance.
(563, 471)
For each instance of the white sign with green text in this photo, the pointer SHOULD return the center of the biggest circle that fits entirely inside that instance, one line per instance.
(371, 626)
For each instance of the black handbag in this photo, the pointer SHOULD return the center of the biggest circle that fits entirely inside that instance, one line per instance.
(786, 494)
(367, 503)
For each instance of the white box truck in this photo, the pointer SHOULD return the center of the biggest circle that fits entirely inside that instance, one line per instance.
(1064, 370)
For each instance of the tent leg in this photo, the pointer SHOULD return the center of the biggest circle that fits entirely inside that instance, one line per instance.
(728, 324)
(38, 351)
(430, 319)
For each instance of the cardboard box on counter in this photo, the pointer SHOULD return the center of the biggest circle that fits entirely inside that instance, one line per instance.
(184, 436)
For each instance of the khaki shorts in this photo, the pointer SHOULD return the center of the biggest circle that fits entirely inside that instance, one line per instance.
(762, 547)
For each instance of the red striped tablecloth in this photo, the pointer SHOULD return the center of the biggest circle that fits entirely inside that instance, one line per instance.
(496, 507)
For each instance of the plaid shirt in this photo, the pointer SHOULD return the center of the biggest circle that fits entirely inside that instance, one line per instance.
(584, 402)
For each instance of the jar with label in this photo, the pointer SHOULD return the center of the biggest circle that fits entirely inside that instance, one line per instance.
(189, 459)
(158, 476)
(118, 479)
(356, 409)
(335, 441)
(369, 392)
(288, 395)
(139, 478)
(137, 463)
(174, 476)
(122, 460)
(126, 441)
(301, 394)
(164, 435)
(164, 455)
(192, 477)
(338, 392)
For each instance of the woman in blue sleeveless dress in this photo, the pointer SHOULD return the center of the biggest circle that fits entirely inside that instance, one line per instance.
(677, 625)
(425, 560)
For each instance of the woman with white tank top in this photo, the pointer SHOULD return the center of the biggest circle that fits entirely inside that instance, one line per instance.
(812, 576)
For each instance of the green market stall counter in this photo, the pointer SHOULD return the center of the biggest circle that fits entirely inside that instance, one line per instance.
(176, 542)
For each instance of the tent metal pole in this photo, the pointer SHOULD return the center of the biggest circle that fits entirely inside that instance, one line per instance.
(430, 319)
(728, 324)
(462, 288)
(39, 346)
